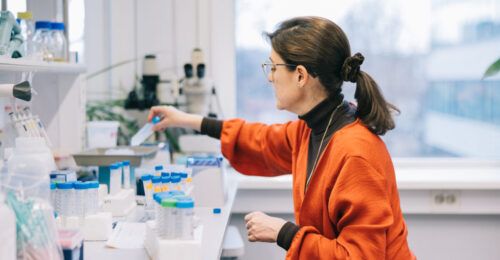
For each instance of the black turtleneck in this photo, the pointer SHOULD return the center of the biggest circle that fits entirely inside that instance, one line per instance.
(316, 119)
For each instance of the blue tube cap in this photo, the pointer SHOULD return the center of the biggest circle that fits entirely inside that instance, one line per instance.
(146, 177)
(93, 184)
(165, 179)
(52, 186)
(158, 167)
(126, 163)
(185, 203)
(156, 120)
(80, 185)
(65, 185)
(156, 179)
(175, 179)
(165, 174)
(216, 210)
(114, 166)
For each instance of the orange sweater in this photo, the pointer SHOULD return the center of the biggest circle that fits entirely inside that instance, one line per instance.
(351, 208)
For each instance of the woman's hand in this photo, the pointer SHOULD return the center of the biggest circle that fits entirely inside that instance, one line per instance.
(263, 228)
(172, 117)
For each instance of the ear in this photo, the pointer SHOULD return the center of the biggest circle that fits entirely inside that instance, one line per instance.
(302, 75)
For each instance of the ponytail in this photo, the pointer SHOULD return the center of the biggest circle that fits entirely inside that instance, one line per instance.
(373, 110)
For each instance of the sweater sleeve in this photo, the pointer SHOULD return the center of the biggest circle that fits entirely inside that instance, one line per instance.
(360, 208)
(258, 149)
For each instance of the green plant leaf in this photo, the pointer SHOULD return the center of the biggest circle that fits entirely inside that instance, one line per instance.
(493, 69)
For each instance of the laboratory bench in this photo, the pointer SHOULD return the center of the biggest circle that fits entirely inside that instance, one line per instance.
(214, 227)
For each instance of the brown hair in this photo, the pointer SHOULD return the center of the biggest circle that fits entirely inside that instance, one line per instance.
(322, 48)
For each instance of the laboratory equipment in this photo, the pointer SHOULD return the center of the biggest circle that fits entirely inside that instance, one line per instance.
(102, 134)
(145, 132)
(208, 181)
(148, 189)
(92, 200)
(80, 198)
(27, 26)
(165, 183)
(156, 180)
(184, 218)
(42, 41)
(66, 199)
(158, 170)
(169, 212)
(126, 174)
(8, 28)
(8, 234)
(115, 180)
(30, 165)
(20, 90)
(59, 43)
(175, 183)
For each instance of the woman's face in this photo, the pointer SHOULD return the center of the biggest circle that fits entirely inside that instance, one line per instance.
(285, 82)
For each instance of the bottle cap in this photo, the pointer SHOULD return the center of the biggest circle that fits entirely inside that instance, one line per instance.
(185, 203)
(216, 210)
(156, 179)
(126, 163)
(42, 25)
(25, 15)
(114, 166)
(57, 26)
(175, 179)
(156, 120)
(146, 177)
(165, 174)
(93, 184)
(168, 203)
(165, 179)
(65, 185)
(158, 168)
(80, 185)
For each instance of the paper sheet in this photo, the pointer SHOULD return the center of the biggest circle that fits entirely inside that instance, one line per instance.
(127, 235)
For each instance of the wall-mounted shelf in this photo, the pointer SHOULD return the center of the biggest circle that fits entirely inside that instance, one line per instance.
(22, 65)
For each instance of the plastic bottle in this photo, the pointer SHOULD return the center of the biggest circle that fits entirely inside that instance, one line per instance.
(185, 213)
(126, 174)
(92, 201)
(148, 189)
(145, 132)
(53, 196)
(59, 43)
(156, 180)
(66, 198)
(169, 212)
(175, 183)
(115, 176)
(165, 183)
(80, 198)
(42, 41)
(158, 169)
(31, 161)
(27, 31)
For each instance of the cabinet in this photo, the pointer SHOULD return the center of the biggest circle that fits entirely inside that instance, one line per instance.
(59, 100)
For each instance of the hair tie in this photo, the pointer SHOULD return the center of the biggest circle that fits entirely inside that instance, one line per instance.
(351, 67)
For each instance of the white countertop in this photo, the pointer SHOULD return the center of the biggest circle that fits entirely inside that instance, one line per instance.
(214, 226)
(409, 176)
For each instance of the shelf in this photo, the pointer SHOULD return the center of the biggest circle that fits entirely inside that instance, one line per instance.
(22, 65)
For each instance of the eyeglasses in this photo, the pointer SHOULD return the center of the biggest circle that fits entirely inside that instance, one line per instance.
(270, 68)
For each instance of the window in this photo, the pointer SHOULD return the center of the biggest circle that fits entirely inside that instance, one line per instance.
(427, 56)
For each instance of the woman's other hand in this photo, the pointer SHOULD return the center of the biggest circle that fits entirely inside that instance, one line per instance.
(172, 117)
(262, 227)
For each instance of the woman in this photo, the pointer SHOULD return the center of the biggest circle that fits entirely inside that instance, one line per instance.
(344, 189)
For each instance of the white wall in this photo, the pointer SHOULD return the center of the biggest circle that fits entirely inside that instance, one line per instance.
(121, 30)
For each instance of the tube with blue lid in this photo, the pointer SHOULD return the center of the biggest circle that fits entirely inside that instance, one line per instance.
(115, 178)
(126, 174)
(158, 170)
(145, 132)
(148, 190)
(185, 213)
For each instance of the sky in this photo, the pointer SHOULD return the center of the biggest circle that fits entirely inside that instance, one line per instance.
(419, 19)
